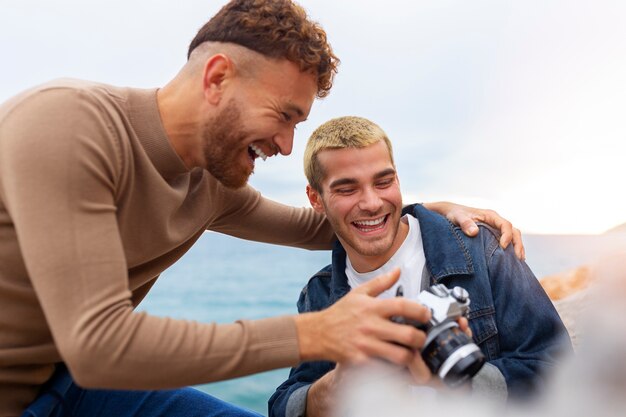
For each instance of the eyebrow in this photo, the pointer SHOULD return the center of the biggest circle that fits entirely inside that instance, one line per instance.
(384, 173)
(342, 181)
(349, 181)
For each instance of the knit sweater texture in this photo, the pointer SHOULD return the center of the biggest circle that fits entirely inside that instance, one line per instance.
(94, 205)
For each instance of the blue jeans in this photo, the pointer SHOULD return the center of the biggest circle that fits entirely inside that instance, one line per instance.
(61, 397)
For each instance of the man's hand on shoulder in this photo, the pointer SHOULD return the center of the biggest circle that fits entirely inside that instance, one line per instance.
(466, 218)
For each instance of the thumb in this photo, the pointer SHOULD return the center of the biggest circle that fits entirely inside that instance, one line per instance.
(468, 225)
(379, 284)
(465, 220)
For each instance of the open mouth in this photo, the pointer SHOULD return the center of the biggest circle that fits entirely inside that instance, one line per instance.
(254, 152)
(367, 226)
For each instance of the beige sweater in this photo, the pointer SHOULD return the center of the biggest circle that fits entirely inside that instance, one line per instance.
(94, 205)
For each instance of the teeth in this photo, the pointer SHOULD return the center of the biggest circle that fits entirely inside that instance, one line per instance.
(375, 222)
(258, 151)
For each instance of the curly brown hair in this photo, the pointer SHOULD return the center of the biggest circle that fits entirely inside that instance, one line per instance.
(276, 29)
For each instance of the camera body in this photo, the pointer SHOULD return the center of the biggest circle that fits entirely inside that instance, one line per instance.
(448, 352)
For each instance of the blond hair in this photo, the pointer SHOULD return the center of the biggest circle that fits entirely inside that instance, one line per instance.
(339, 133)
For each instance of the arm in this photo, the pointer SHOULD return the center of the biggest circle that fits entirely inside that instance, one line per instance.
(58, 173)
(531, 336)
(352, 330)
(254, 217)
(292, 397)
(466, 218)
(249, 215)
(322, 396)
(489, 383)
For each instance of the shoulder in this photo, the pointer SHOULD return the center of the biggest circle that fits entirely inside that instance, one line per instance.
(60, 122)
(315, 295)
(69, 104)
(432, 219)
(487, 239)
(61, 104)
(489, 235)
(440, 235)
(62, 89)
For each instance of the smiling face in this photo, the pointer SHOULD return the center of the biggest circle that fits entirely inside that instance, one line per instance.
(360, 195)
(256, 119)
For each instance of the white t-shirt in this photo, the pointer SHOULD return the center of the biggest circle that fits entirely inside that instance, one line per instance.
(409, 258)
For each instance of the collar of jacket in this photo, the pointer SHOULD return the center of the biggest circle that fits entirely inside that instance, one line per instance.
(445, 251)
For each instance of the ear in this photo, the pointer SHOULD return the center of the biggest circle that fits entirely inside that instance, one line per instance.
(315, 199)
(217, 70)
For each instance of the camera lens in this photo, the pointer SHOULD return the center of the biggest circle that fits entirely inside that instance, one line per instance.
(452, 355)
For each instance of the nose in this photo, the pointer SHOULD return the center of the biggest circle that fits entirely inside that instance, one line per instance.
(284, 141)
(370, 200)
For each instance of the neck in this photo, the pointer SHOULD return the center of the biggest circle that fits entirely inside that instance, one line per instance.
(180, 113)
(367, 263)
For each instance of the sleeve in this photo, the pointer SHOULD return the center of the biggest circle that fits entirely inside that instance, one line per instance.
(248, 215)
(531, 336)
(59, 166)
(489, 384)
(289, 399)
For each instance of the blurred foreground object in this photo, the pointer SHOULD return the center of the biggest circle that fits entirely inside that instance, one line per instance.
(591, 382)
(569, 293)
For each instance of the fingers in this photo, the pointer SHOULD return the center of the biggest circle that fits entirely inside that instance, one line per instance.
(402, 334)
(464, 326)
(381, 337)
(508, 232)
(466, 218)
(512, 234)
(358, 327)
(520, 251)
(419, 370)
(403, 307)
(394, 353)
(467, 224)
(506, 228)
(379, 284)
(463, 323)
(398, 344)
(387, 336)
(505, 238)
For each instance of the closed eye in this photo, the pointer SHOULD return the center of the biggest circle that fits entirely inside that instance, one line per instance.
(344, 191)
(385, 183)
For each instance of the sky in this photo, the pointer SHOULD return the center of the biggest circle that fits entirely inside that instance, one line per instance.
(518, 106)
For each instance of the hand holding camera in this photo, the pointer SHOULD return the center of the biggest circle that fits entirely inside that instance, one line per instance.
(448, 351)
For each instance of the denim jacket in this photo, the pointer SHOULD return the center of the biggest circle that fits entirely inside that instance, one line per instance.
(512, 320)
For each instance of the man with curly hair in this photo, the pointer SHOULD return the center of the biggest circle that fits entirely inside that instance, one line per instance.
(102, 188)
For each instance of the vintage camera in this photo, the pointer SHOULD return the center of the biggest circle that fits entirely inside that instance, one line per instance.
(448, 351)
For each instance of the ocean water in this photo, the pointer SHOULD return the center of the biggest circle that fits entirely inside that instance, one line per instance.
(223, 279)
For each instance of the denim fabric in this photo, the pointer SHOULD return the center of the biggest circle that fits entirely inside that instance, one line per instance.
(61, 397)
(513, 321)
